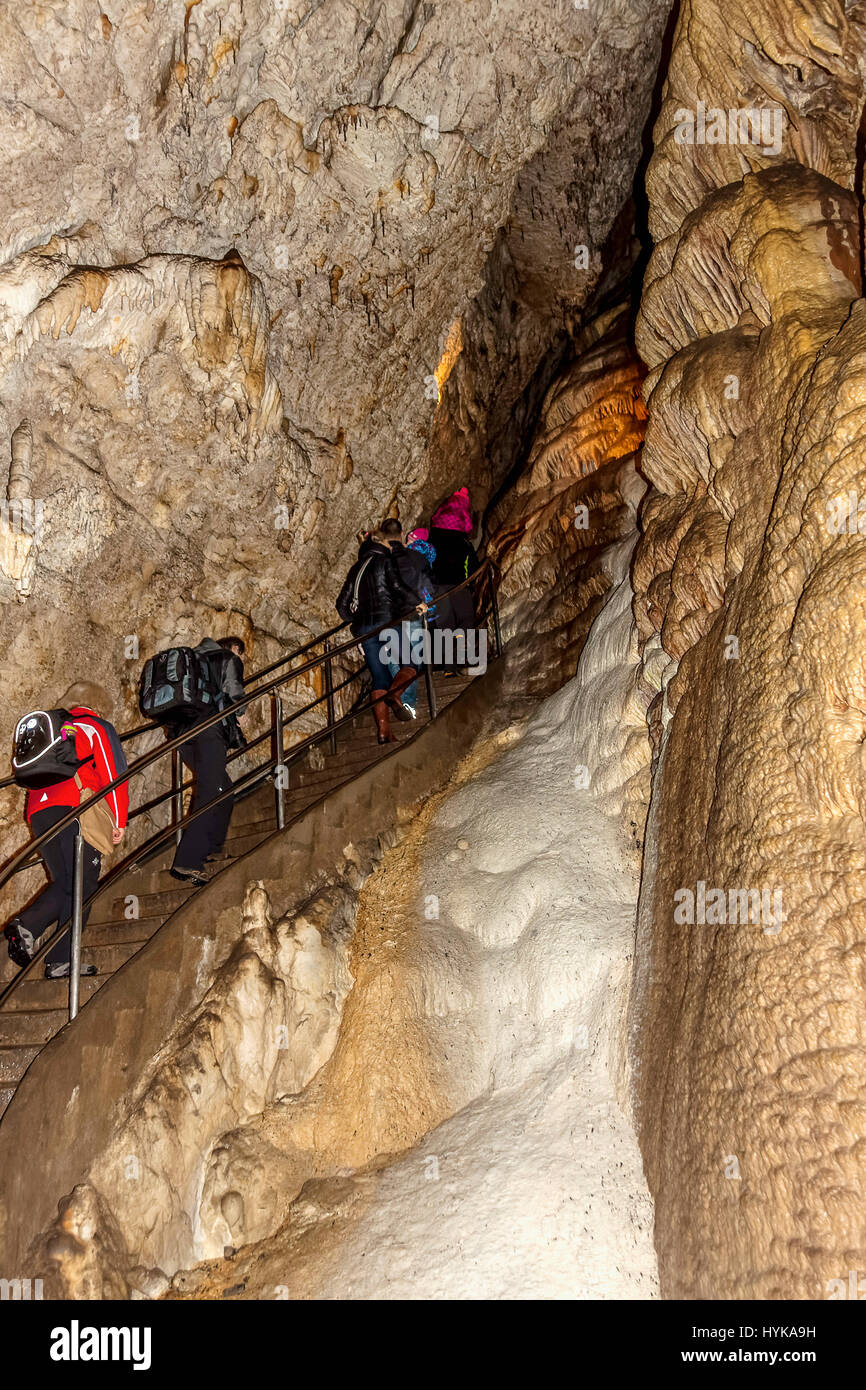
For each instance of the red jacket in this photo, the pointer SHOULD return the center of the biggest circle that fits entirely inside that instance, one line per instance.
(90, 742)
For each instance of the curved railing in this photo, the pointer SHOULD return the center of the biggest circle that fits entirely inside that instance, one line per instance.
(28, 856)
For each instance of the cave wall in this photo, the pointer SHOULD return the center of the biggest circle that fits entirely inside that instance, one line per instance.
(268, 272)
(748, 1023)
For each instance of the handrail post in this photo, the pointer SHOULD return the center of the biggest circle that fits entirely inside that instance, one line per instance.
(494, 604)
(329, 693)
(176, 794)
(428, 669)
(77, 914)
(277, 758)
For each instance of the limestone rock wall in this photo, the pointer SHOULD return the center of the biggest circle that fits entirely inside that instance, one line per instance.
(748, 1023)
(237, 238)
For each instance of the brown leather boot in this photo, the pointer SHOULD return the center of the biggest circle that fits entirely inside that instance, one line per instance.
(403, 679)
(382, 718)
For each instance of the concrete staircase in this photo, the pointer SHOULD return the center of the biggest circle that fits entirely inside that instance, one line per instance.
(36, 1011)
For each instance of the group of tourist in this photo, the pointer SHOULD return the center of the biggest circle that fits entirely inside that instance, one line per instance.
(394, 577)
(393, 595)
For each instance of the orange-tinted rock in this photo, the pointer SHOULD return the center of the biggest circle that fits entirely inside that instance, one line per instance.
(577, 495)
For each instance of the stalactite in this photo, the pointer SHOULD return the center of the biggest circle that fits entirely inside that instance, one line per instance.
(20, 483)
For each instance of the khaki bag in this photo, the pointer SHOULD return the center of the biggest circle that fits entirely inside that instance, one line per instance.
(97, 822)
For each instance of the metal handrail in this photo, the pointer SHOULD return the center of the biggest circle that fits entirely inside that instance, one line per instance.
(22, 859)
(148, 848)
(182, 787)
(254, 676)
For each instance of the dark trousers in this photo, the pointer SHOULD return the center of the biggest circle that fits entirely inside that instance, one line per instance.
(205, 756)
(372, 649)
(54, 903)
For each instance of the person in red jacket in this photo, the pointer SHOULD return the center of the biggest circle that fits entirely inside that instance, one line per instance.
(96, 742)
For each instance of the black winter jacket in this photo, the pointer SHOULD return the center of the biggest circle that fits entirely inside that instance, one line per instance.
(227, 669)
(456, 557)
(383, 595)
(414, 571)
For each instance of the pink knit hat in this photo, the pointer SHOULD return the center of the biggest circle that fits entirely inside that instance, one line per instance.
(418, 533)
(455, 514)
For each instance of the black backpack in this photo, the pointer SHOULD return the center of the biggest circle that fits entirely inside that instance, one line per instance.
(349, 600)
(44, 751)
(177, 687)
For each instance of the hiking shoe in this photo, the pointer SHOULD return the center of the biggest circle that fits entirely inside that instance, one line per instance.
(412, 713)
(62, 970)
(194, 877)
(20, 941)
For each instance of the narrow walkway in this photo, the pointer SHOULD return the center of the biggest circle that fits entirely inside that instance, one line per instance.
(37, 1011)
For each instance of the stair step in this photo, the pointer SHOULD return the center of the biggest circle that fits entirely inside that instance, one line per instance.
(114, 933)
(258, 827)
(322, 781)
(41, 994)
(157, 904)
(109, 956)
(251, 808)
(14, 1062)
(242, 844)
(38, 1027)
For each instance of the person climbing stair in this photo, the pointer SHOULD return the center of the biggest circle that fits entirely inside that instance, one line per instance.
(99, 754)
(373, 596)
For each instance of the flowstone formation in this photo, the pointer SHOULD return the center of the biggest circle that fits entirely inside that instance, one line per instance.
(552, 535)
(749, 578)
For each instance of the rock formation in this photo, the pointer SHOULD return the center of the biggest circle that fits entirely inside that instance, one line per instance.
(747, 1025)
(577, 494)
(383, 1054)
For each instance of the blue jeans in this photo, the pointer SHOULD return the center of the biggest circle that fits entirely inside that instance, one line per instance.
(409, 628)
(378, 670)
(383, 672)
